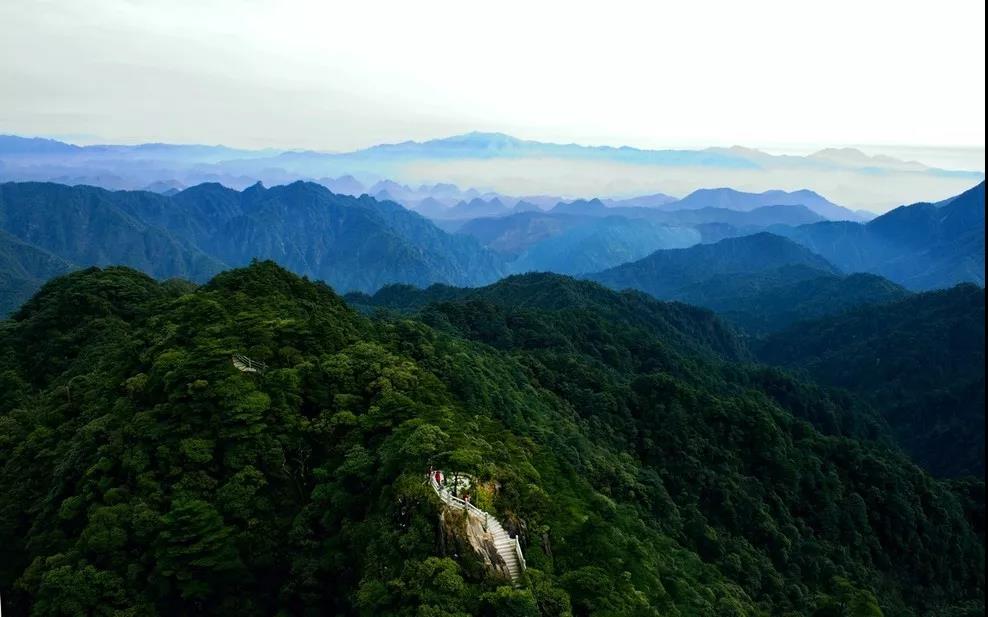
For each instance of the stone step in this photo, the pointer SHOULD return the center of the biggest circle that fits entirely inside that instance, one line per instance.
(504, 544)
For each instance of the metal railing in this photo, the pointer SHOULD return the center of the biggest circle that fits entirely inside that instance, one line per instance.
(456, 502)
(246, 365)
(521, 558)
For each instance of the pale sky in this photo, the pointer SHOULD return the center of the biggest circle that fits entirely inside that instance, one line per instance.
(339, 76)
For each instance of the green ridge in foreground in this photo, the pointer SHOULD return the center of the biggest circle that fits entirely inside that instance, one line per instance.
(144, 474)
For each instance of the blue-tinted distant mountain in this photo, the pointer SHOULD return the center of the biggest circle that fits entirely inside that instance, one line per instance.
(344, 185)
(514, 234)
(476, 208)
(525, 206)
(165, 187)
(761, 283)
(502, 164)
(669, 274)
(922, 246)
(478, 145)
(760, 217)
(655, 200)
(193, 153)
(852, 157)
(602, 243)
(731, 199)
(432, 208)
(584, 207)
(11, 145)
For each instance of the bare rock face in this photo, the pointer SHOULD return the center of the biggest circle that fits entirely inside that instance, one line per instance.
(470, 527)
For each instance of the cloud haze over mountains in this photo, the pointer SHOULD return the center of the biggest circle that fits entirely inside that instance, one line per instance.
(493, 162)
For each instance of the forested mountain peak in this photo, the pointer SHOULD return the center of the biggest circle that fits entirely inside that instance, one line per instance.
(642, 477)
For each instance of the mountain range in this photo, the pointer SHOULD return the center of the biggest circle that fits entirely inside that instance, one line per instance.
(921, 246)
(354, 243)
(737, 261)
(504, 164)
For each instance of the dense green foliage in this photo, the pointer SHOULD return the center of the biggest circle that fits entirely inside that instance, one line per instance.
(921, 361)
(770, 300)
(646, 470)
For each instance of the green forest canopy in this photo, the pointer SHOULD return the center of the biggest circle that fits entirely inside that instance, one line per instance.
(646, 466)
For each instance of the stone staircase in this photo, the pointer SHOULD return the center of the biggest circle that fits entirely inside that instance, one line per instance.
(508, 548)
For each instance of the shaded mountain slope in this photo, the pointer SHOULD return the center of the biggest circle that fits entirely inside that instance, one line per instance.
(922, 246)
(668, 273)
(90, 226)
(921, 361)
(769, 301)
(354, 243)
(602, 243)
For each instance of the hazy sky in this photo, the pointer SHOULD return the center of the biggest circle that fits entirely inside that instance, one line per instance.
(338, 76)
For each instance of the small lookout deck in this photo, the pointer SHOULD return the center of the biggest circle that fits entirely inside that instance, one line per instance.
(507, 547)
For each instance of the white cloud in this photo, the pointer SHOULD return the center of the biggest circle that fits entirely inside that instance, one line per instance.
(343, 75)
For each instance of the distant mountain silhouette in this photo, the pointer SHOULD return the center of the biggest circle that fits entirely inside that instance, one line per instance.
(344, 185)
(655, 200)
(848, 177)
(761, 283)
(476, 208)
(731, 199)
(515, 234)
(592, 207)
